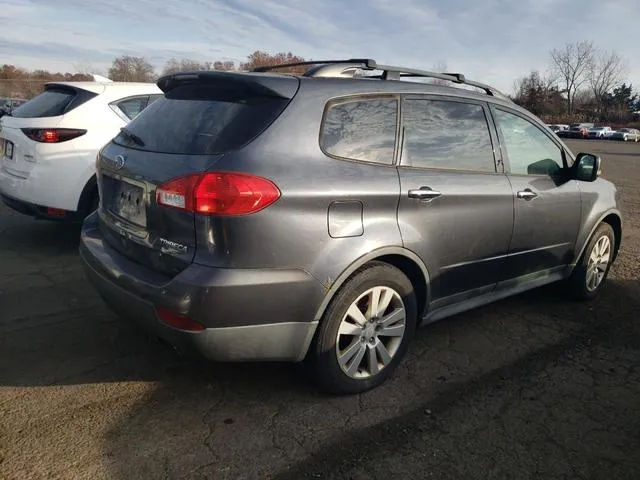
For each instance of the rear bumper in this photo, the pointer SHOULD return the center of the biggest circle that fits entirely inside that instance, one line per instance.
(247, 314)
(55, 181)
(38, 211)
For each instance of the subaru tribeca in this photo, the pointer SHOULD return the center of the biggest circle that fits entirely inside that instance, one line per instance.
(324, 216)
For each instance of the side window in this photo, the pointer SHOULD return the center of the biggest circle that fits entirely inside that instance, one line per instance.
(530, 151)
(131, 107)
(363, 129)
(446, 134)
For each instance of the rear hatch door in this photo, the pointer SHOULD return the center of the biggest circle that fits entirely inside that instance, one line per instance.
(187, 132)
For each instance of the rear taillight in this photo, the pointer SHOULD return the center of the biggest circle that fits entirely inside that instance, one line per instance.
(218, 193)
(53, 135)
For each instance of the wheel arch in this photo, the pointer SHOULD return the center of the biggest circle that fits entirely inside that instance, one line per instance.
(89, 190)
(405, 260)
(614, 219)
(616, 224)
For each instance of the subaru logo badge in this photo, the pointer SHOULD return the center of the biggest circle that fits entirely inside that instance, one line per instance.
(118, 162)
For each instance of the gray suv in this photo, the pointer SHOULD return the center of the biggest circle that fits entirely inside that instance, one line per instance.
(325, 216)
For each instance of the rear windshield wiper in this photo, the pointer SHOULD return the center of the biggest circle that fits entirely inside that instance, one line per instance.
(132, 136)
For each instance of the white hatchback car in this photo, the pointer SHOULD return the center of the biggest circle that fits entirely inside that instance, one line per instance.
(48, 145)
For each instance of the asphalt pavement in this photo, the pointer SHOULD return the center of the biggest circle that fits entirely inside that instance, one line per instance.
(535, 386)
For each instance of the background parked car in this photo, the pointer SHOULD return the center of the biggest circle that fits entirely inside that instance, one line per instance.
(574, 132)
(48, 146)
(626, 135)
(7, 105)
(586, 125)
(600, 132)
(557, 127)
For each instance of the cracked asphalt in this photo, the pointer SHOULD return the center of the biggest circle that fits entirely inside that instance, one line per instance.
(535, 386)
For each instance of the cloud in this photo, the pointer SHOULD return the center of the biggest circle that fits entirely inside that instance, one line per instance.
(493, 41)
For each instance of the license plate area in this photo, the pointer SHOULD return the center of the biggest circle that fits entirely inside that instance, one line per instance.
(126, 200)
(6, 148)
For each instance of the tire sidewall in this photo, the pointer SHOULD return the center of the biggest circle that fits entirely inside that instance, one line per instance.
(323, 358)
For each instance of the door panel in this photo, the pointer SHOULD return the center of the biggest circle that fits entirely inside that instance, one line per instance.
(455, 211)
(547, 207)
(463, 235)
(545, 227)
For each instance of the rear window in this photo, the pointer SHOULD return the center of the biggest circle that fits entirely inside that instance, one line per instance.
(201, 122)
(53, 102)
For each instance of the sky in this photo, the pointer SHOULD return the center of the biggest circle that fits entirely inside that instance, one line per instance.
(493, 41)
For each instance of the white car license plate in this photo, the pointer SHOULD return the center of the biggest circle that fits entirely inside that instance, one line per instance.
(6, 148)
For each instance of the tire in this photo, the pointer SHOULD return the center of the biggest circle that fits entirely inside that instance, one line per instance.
(370, 354)
(580, 280)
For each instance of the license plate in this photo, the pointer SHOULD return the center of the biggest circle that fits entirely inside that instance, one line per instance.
(7, 149)
(128, 203)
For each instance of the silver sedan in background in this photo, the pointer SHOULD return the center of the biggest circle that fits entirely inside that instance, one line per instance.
(625, 134)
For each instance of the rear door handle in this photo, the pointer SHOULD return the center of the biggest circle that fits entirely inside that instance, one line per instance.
(527, 194)
(424, 193)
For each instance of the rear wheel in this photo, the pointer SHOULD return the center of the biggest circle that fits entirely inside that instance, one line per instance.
(590, 273)
(366, 330)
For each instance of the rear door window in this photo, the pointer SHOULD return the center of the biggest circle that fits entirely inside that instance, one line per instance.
(361, 129)
(444, 134)
(201, 122)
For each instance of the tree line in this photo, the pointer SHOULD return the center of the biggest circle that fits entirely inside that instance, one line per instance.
(137, 69)
(21, 83)
(582, 83)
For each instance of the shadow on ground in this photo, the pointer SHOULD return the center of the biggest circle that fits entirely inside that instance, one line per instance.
(531, 387)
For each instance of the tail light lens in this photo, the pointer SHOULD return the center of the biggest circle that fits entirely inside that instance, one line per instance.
(53, 135)
(175, 320)
(218, 193)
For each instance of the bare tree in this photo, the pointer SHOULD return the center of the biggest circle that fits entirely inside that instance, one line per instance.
(440, 67)
(131, 69)
(226, 65)
(174, 65)
(84, 67)
(538, 93)
(260, 58)
(572, 65)
(607, 72)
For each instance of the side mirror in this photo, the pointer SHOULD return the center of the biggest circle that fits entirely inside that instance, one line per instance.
(587, 167)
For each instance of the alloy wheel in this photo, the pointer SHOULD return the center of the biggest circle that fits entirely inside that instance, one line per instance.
(370, 333)
(598, 263)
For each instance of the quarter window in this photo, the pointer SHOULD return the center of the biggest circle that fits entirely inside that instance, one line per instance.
(131, 107)
(363, 129)
(530, 151)
(446, 134)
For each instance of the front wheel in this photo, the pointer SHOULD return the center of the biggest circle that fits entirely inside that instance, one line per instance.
(365, 331)
(590, 273)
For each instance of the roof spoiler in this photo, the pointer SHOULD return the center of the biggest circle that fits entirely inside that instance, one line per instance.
(249, 84)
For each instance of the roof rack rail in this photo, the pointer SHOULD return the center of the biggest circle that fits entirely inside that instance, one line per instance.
(345, 68)
(364, 62)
